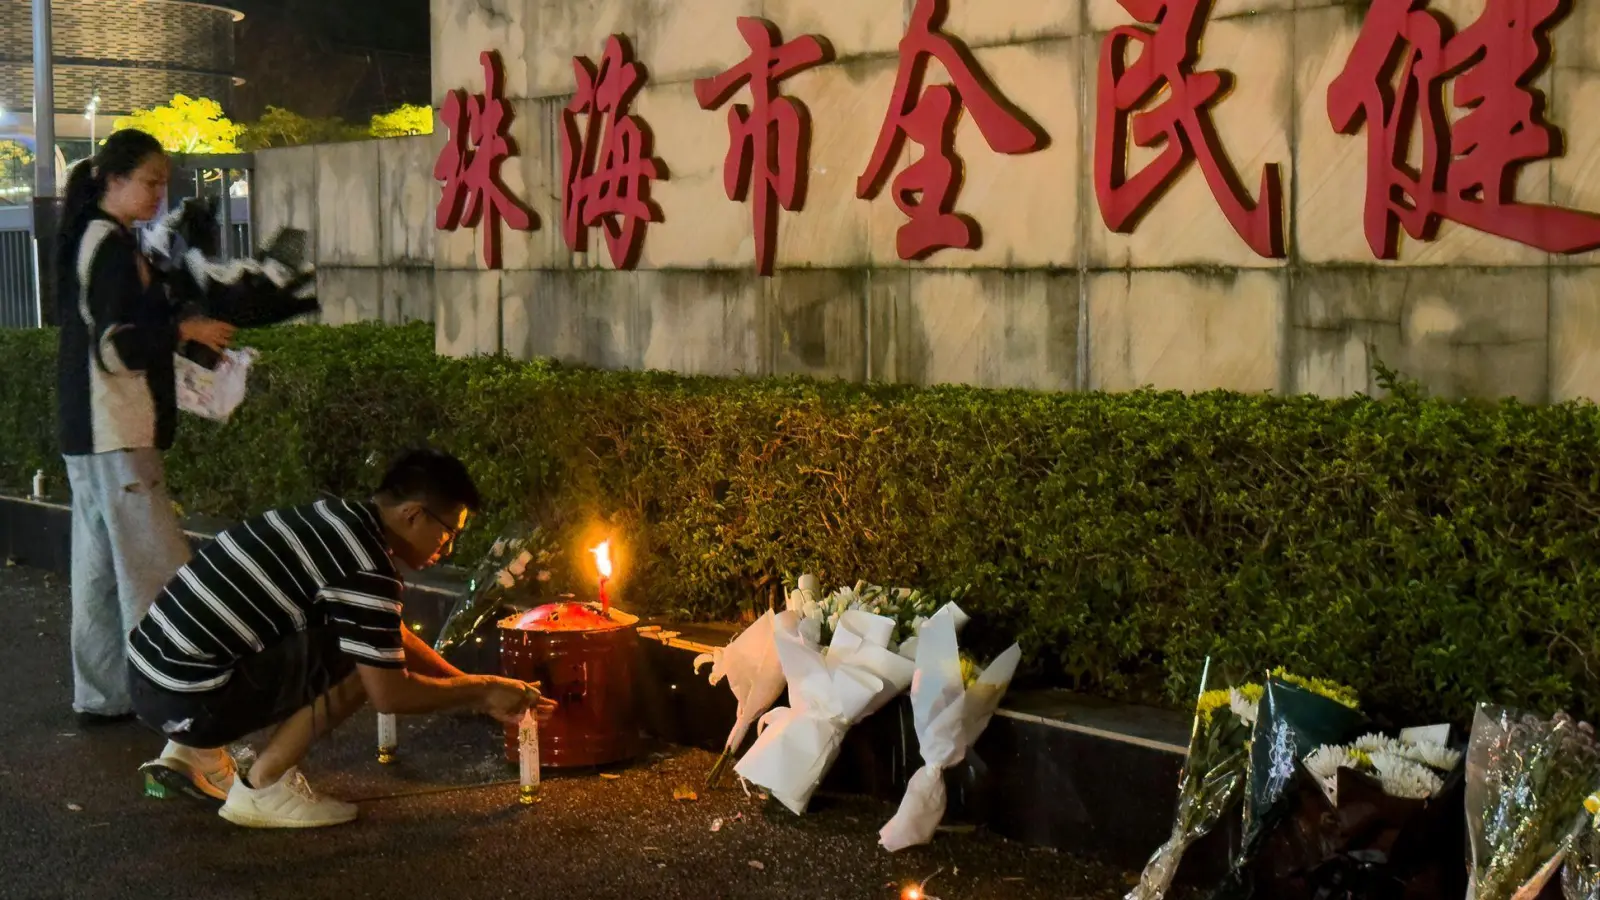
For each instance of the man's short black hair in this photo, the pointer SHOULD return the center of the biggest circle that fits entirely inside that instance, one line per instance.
(432, 477)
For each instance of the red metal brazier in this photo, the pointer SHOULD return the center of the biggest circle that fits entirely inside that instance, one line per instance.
(585, 659)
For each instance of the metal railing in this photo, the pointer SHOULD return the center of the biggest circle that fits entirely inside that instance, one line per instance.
(19, 294)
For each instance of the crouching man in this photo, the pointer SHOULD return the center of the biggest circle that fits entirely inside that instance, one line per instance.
(293, 620)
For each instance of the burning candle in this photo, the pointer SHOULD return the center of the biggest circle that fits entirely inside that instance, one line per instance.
(602, 563)
(528, 747)
(388, 738)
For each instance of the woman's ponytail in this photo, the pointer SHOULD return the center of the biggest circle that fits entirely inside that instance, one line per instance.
(85, 188)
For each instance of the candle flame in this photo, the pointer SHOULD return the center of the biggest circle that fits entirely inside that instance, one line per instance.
(602, 559)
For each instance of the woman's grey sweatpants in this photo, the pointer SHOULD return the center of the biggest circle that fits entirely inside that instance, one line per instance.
(126, 546)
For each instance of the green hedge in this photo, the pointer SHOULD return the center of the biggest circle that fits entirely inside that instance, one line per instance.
(1431, 554)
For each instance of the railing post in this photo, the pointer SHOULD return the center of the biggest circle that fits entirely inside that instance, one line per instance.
(227, 217)
(45, 214)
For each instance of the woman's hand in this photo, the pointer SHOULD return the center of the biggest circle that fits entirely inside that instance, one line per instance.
(208, 332)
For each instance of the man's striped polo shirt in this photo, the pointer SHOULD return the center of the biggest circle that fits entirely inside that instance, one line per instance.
(325, 565)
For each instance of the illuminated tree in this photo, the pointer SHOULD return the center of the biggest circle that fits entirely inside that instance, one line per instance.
(405, 121)
(280, 127)
(16, 172)
(186, 125)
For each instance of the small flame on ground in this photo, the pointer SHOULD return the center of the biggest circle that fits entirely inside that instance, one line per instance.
(602, 559)
(919, 890)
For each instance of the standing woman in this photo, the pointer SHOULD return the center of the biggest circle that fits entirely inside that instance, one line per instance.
(117, 407)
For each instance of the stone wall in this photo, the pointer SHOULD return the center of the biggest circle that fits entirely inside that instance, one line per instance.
(368, 208)
(1054, 299)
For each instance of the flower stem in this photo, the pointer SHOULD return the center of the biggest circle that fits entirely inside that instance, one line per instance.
(719, 768)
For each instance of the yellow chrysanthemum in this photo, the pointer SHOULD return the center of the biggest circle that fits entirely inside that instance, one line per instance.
(1210, 702)
(1338, 693)
(969, 671)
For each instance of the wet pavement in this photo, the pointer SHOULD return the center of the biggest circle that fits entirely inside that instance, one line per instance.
(443, 822)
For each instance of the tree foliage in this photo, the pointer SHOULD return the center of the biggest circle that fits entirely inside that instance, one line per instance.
(186, 125)
(408, 120)
(16, 175)
(280, 127)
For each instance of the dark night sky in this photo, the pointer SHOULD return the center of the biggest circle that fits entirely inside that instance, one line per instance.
(348, 58)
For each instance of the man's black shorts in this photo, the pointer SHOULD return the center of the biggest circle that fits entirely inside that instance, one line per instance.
(264, 689)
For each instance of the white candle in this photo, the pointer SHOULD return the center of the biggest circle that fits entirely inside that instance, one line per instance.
(528, 747)
(388, 738)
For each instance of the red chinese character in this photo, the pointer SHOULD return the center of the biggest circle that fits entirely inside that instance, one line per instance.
(1180, 124)
(472, 191)
(927, 189)
(616, 192)
(1468, 171)
(751, 129)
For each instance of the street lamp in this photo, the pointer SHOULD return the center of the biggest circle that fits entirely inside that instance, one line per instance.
(90, 112)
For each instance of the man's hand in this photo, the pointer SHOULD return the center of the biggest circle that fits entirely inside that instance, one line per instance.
(507, 699)
(208, 332)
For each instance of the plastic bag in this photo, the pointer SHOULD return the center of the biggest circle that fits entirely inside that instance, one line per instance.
(1580, 877)
(213, 393)
(1210, 784)
(1527, 780)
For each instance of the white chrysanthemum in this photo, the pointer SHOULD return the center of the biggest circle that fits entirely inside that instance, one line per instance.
(1246, 709)
(499, 548)
(520, 564)
(1403, 778)
(505, 579)
(1324, 764)
(1432, 755)
(1377, 743)
(1326, 761)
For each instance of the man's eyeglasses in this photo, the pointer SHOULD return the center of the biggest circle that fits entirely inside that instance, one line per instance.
(451, 532)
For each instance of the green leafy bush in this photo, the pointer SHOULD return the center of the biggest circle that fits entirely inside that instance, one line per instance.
(1430, 553)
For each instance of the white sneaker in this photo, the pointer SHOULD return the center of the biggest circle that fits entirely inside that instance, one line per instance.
(289, 803)
(206, 775)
